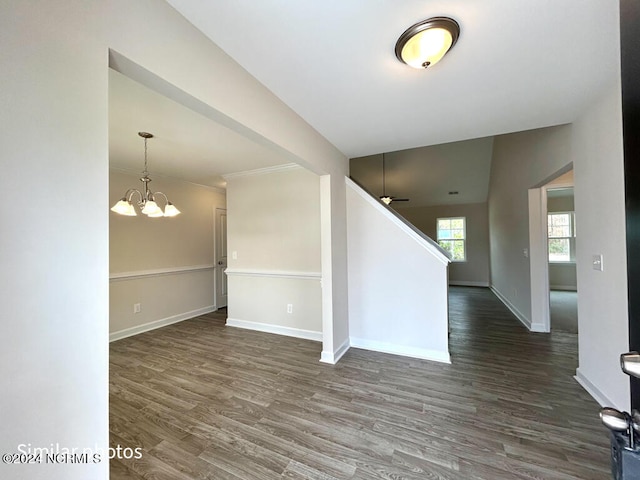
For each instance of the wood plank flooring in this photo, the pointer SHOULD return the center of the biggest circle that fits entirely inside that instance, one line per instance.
(205, 401)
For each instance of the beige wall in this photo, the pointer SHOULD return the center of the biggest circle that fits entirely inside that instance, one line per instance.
(475, 271)
(165, 264)
(143, 243)
(274, 231)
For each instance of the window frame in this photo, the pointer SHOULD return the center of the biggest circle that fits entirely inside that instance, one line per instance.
(463, 240)
(571, 238)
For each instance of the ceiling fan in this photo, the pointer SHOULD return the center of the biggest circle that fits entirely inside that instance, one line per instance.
(387, 199)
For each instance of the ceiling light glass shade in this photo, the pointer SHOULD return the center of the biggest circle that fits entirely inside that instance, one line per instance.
(424, 44)
(386, 200)
(170, 210)
(156, 214)
(124, 208)
(151, 208)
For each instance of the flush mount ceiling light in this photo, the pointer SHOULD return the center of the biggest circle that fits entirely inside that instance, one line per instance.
(424, 44)
(147, 199)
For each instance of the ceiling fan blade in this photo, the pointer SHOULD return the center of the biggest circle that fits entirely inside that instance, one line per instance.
(400, 199)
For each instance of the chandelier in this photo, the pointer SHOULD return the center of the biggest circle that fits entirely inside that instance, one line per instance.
(146, 198)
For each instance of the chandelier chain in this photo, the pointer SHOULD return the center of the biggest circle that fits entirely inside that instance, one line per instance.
(145, 157)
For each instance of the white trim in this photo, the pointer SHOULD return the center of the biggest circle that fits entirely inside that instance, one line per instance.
(566, 288)
(276, 329)
(535, 327)
(334, 357)
(457, 283)
(427, 243)
(326, 267)
(422, 353)
(594, 391)
(239, 272)
(163, 322)
(262, 171)
(538, 260)
(159, 272)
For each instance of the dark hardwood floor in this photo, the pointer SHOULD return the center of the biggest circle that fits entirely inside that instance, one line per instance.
(205, 401)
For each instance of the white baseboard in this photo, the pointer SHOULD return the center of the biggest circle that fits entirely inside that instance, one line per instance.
(333, 357)
(524, 320)
(592, 390)
(277, 329)
(422, 353)
(565, 288)
(163, 322)
(462, 283)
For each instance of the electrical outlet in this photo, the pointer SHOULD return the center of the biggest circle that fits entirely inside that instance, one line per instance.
(234, 255)
(136, 308)
(289, 308)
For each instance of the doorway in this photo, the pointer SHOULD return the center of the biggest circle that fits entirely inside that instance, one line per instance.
(561, 239)
(552, 237)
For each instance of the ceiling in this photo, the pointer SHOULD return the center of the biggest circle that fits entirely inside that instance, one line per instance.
(518, 65)
(186, 145)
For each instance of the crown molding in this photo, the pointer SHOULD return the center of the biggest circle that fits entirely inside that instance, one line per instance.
(169, 177)
(263, 171)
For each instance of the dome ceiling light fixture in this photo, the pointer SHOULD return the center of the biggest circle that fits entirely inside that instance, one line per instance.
(424, 44)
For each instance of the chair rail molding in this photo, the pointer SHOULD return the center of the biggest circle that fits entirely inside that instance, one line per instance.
(114, 277)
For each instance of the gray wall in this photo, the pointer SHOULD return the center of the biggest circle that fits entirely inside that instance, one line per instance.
(520, 161)
(475, 271)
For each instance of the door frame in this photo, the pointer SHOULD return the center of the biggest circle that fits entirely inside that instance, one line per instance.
(538, 256)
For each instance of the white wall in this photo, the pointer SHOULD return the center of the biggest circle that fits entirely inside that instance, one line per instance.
(603, 319)
(520, 161)
(397, 283)
(274, 231)
(55, 263)
(475, 270)
(165, 264)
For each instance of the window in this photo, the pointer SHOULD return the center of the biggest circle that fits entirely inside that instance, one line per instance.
(561, 234)
(452, 236)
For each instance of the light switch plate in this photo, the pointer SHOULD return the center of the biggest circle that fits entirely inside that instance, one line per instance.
(597, 263)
